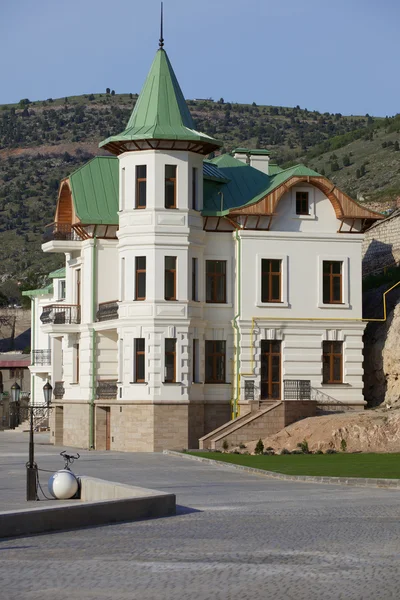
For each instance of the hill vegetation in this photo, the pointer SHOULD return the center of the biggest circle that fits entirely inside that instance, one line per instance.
(42, 142)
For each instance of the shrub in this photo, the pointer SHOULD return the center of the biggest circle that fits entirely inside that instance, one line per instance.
(296, 452)
(259, 447)
(331, 451)
(343, 445)
(242, 446)
(225, 445)
(304, 446)
(318, 452)
(285, 451)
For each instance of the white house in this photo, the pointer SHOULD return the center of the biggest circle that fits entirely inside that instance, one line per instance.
(196, 289)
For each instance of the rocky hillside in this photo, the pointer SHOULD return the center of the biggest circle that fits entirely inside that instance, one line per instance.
(43, 141)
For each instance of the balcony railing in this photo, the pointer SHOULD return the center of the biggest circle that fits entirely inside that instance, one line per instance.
(107, 311)
(41, 357)
(58, 390)
(60, 314)
(61, 231)
(107, 389)
(297, 389)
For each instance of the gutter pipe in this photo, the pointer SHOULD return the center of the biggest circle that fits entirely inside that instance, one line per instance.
(235, 401)
(93, 390)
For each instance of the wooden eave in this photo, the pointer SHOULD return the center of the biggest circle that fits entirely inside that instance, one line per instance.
(343, 205)
(199, 147)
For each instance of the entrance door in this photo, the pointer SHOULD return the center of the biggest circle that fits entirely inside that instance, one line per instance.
(270, 370)
(108, 428)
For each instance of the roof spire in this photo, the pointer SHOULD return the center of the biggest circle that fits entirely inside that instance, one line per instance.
(161, 42)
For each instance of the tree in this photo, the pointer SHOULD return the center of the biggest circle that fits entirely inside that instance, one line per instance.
(362, 170)
(112, 92)
(335, 166)
(91, 97)
(259, 449)
(358, 173)
(107, 90)
(396, 146)
(254, 104)
(346, 160)
(221, 101)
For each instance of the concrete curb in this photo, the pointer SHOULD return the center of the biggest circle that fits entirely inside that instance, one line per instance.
(114, 503)
(355, 481)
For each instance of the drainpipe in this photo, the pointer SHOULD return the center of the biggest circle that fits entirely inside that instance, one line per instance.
(235, 400)
(93, 393)
(33, 321)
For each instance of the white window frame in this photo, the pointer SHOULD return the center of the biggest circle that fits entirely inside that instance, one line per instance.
(284, 258)
(345, 280)
(311, 202)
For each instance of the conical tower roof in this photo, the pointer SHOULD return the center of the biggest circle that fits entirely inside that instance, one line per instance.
(161, 118)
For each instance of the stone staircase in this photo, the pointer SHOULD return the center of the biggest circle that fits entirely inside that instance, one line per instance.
(263, 420)
(253, 425)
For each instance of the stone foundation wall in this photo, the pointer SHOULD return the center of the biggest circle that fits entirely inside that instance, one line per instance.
(76, 425)
(216, 415)
(171, 427)
(381, 244)
(299, 409)
(196, 424)
(132, 428)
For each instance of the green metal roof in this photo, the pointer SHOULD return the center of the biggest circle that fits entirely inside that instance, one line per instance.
(95, 191)
(161, 111)
(47, 290)
(253, 152)
(273, 169)
(58, 274)
(246, 185)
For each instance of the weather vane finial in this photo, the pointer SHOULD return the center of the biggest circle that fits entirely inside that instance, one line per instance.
(161, 44)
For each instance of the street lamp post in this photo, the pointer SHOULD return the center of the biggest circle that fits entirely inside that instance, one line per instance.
(31, 466)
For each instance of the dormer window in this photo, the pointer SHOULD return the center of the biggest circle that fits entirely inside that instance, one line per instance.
(170, 186)
(141, 186)
(302, 203)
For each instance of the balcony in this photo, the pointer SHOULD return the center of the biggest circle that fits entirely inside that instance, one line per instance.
(61, 314)
(58, 390)
(41, 358)
(61, 232)
(107, 311)
(107, 389)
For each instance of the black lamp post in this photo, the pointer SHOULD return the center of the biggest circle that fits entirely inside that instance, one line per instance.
(31, 466)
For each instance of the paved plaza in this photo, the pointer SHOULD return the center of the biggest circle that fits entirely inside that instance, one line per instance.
(236, 536)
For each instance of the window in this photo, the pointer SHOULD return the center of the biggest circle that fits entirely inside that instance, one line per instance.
(302, 205)
(141, 186)
(332, 282)
(170, 360)
(195, 358)
(194, 188)
(332, 360)
(216, 281)
(140, 376)
(215, 362)
(140, 278)
(270, 369)
(194, 279)
(16, 373)
(270, 280)
(170, 186)
(62, 289)
(170, 278)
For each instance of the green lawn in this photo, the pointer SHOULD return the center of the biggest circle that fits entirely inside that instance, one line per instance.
(385, 466)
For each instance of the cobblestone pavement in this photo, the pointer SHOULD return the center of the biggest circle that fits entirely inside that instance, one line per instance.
(237, 536)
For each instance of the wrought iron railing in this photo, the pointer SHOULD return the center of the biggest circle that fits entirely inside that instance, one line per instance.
(61, 314)
(58, 390)
(297, 389)
(107, 311)
(107, 389)
(41, 357)
(61, 231)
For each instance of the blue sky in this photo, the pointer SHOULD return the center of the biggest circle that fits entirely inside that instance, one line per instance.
(328, 55)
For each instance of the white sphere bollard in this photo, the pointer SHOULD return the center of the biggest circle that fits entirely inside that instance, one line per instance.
(63, 485)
